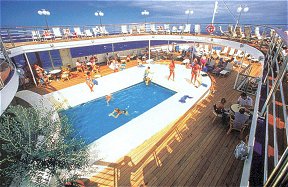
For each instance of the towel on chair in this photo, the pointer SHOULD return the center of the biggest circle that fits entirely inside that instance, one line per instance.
(183, 99)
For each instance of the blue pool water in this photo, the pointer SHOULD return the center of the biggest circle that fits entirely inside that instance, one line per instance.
(92, 121)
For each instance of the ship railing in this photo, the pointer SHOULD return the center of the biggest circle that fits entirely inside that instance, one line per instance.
(17, 36)
(270, 114)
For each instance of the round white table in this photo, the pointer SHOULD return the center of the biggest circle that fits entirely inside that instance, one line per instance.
(55, 71)
(237, 107)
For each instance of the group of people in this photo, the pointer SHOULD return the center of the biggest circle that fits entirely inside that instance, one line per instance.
(240, 117)
(116, 112)
(88, 64)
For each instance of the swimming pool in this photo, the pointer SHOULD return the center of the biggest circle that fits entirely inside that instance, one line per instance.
(92, 121)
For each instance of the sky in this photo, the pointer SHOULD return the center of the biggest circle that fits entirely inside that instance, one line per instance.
(63, 12)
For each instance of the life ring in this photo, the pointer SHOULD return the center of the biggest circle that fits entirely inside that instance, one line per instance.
(210, 28)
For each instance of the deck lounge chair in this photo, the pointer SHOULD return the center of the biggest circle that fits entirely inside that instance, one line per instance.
(247, 32)
(238, 32)
(35, 35)
(88, 33)
(153, 29)
(181, 29)
(57, 33)
(96, 31)
(167, 29)
(225, 51)
(197, 29)
(174, 30)
(187, 28)
(47, 35)
(224, 33)
(67, 33)
(231, 52)
(239, 54)
(227, 70)
(231, 31)
(257, 33)
(78, 32)
(103, 30)
(124, 29)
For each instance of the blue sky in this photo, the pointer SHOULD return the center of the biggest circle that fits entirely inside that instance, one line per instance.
(24, 13)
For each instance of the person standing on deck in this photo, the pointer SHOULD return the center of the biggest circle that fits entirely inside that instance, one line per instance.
(195, 72)
(172, 70)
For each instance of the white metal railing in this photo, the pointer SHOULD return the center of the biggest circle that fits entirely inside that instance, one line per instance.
(272, 61)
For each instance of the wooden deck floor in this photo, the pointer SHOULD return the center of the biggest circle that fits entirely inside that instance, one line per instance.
(191, 152)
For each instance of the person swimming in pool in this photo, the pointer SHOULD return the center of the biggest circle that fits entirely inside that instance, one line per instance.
(108, 98)
(116, 112)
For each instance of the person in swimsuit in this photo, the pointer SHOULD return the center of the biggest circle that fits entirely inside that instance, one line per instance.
(172, 68)
(116, 112)
(89, 81)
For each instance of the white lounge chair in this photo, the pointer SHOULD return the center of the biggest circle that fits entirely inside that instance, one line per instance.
(103, 30)
(47, 35)
(223, 32)
(239, 54)
(88, 33)
(197, 29)
(35, 35)
(227, 70)
(174, 30)
(57, 33)
(78, 32)
(167, 29)
(231, 52)
(181, 29)
(96, 31)
(225, 51)
(153, 29)
(257, 33)
(124, 29)
(67, 34)
(187, 28)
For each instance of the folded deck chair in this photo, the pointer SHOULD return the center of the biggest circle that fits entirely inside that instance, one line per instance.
(57, 33)
(78, 32)
(88, 33)
(187, 28)
(124, 29)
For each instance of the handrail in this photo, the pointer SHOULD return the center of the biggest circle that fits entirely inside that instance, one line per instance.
(271, 60)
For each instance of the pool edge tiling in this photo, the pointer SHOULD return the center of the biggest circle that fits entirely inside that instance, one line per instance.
(122, 140)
